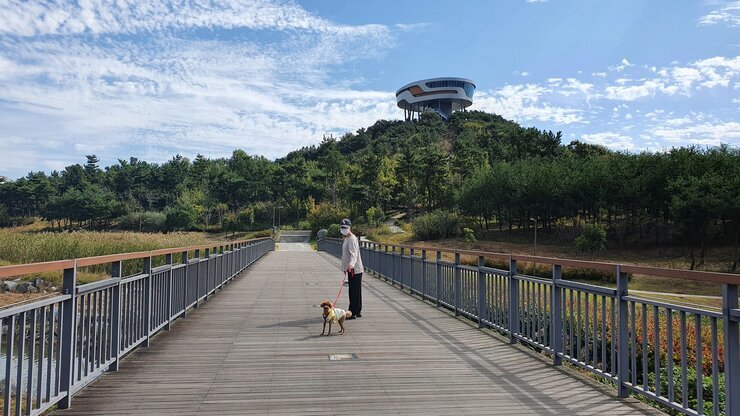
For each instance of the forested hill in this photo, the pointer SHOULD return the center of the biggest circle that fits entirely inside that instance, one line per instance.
(491, 171)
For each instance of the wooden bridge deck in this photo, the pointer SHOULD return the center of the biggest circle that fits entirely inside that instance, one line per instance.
(254, 349)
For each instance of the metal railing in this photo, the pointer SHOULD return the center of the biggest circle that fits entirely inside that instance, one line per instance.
(684, 358)
(56, 346)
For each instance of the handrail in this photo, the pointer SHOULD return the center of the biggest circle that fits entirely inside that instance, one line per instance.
(57, 265)
(646, 347)
(700, 276)
(82, 333)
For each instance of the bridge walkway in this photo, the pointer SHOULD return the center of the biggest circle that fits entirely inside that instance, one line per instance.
(254, 348)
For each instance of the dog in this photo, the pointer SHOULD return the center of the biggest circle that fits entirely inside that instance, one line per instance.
(331, 315)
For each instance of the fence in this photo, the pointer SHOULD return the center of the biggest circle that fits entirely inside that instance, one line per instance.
(684, 358)
(56, 346)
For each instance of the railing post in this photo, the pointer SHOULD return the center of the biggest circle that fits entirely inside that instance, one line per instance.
(207, 257)
(197, 278)
(481, 291)
(411, 271)
(386, 269)
(732, 350)
(438, 278)
(168, 261)
(115, 338)
(556, 317)
(393, 265)
(457, 284)
(423, 274)
(147, 300)
(400, 268)
(69, 287)
(513, 302)
(622, 334)
(184, 260)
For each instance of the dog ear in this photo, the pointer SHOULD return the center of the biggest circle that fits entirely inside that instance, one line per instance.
(325, 304)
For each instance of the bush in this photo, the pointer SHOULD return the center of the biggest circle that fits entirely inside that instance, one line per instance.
(326, 214)
(263, 234)
(374, 215)
(304, 225)
(592, 239)
(147, 221)
(180, 217)
(333, 231)
(469, 235)
(436, 225)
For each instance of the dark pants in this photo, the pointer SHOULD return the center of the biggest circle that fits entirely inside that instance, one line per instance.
(355, 294)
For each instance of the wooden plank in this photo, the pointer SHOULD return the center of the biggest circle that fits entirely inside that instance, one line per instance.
(254, 348)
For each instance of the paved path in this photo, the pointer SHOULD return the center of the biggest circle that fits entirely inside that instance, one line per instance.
(254, 349)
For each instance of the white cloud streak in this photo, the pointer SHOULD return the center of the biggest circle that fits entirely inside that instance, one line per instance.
(728, 14)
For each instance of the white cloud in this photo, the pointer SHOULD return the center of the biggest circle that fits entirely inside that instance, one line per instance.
(615, 141)
(729, 14)
(522, 102)
(159, 93)
(711, 134)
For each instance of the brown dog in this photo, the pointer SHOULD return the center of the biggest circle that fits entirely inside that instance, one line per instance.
(332, 314)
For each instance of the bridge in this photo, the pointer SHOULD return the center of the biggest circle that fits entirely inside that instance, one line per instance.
(234, 329)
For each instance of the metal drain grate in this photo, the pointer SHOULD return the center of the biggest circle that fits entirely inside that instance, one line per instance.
(340, 357)
(312, 283)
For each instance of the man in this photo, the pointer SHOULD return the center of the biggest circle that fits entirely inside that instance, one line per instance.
(352, 264)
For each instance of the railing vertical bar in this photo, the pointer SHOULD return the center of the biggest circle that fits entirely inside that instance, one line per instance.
(147, 310)
(513, 301)
(80, 332)
(633, 344)
(595, 332)
(586, 336)
(50, 351)
(699, 367)
(656, 352)
(578, 325)
(481, 292)
(604, 358)
(9, 363)
(556, 315)
(715, 367)
(571, 313)
(622, 334)
(31, 356)
(614, 338)
(684, 364)
(644, 348)
(457, 276)
(21, 355)
(669, 354)
(43, 321)
(423, 274)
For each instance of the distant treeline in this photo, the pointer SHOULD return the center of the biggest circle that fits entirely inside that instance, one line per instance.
(492, 171)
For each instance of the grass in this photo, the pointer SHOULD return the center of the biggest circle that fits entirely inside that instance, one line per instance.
(31, 244)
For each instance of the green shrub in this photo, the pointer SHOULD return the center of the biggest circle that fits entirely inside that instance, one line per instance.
(375, 215)
(263, 234)
(469, 235)
(333, 231)
(180, 217)
(325, 214)
(304, 225)
(436, 225)
(592, 239)
(147, 221)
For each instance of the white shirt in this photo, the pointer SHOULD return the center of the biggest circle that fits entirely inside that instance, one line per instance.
(351, 254)
(334, 315)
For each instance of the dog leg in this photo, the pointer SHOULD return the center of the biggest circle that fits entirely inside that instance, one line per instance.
(329, 329)
(323, 329)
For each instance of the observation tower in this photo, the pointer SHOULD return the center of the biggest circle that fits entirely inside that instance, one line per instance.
(441, 95)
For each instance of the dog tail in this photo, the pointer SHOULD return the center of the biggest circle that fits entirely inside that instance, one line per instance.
(349, 314)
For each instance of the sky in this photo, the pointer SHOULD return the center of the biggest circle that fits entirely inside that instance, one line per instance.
(154, 79)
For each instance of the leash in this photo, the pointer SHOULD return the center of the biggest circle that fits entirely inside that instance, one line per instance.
(340, 289)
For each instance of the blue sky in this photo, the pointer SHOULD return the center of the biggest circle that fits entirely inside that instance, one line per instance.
(154, 79)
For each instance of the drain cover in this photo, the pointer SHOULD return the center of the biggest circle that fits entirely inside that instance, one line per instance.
(338, 357)
(312, 283)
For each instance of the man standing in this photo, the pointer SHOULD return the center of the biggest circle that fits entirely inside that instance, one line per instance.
(352, 264)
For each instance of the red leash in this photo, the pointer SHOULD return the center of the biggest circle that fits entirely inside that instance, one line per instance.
(340, 289)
